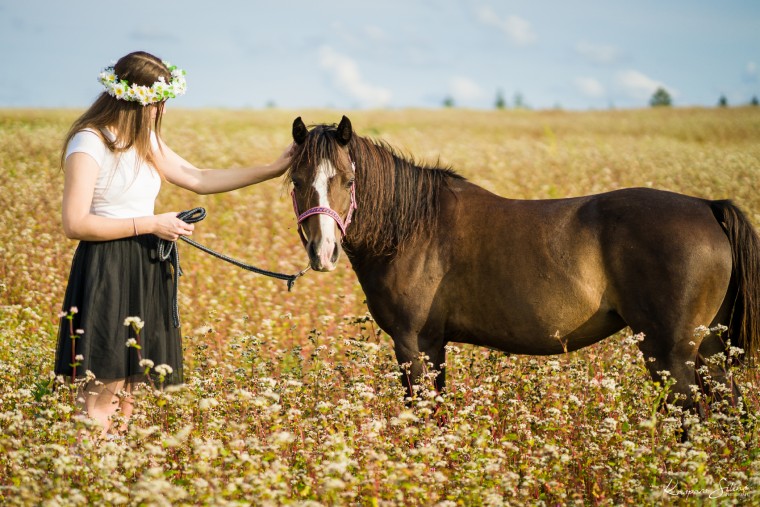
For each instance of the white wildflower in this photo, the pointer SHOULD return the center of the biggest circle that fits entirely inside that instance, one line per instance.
(137, 322)
(163, 369)
(324, 406)
(206, 403)
(334, 483)
(282, 438)
(407, 415)
(245, 394)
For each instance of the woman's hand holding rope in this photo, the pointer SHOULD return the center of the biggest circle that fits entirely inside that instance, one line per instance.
(169, 227)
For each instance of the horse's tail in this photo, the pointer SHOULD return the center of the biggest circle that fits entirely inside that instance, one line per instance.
(744, 327)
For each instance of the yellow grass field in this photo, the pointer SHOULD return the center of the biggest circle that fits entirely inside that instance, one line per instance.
(293, 398)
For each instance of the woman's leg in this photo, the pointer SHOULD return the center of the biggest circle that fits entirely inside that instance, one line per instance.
(101, 401)
(126, 405)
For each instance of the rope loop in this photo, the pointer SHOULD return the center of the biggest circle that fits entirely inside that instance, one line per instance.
(167, 250)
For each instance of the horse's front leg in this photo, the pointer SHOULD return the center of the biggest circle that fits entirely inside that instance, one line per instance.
(416, 362)
(437, 358)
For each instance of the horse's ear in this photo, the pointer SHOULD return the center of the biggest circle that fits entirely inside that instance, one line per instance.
(344, 131)
(299, 131)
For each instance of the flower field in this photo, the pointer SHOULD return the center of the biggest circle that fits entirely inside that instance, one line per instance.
(293, 398)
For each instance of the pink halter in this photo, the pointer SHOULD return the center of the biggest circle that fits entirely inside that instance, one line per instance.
(321, 210)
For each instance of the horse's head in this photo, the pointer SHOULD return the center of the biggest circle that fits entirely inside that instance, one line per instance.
(322, 174)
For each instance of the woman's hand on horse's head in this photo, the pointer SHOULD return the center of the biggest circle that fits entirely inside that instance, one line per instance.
(288, 153)
(167, 226)
(284, 160)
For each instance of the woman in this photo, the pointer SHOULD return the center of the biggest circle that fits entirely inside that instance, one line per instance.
(114, 160)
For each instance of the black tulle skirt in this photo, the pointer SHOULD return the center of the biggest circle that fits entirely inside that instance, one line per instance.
(110, 281)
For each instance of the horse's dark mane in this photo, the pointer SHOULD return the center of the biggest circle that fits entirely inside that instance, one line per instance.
(397, 197)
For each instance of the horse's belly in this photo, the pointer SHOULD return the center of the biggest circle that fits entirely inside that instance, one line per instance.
(537, 334)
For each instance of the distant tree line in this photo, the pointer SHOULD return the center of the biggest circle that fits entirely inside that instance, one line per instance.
(518, 102)
(660, 98)
(723, 101)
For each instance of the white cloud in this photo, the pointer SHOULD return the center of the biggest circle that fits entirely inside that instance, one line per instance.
(640, 86)
(464, 89)
(375, 33)
(750, 72)
(598, 53)
(345, 74)
(590, 87)
(516, 28)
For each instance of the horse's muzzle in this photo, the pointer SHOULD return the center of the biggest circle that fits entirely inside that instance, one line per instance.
(323, 255)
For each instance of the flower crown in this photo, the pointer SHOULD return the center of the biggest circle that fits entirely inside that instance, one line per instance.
(157, 92)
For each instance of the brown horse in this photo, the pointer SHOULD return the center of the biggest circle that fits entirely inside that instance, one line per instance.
(441, 259)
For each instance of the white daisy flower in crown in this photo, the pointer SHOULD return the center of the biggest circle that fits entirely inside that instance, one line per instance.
(150, 97)
(179, 86)
(107, 75)
(161, 88)
(140, 92)
(119, 91)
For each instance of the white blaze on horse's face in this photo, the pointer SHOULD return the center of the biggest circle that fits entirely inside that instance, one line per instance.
(325, 247)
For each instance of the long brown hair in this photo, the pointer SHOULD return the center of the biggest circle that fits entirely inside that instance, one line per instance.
(129, 121)
(399, 200)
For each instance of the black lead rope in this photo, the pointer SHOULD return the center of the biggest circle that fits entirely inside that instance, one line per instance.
(167, 250)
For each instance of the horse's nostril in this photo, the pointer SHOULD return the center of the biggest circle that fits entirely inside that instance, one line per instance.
(312, 250)
(335, 254)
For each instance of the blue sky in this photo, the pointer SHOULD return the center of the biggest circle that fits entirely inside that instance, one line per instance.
(390, 53)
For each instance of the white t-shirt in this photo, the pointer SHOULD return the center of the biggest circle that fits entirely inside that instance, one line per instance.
(124, 188)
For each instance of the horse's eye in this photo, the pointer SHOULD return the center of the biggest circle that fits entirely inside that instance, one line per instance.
(296, 184)
(349, 183)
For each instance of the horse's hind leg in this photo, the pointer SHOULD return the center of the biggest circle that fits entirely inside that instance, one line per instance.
(437, 355)
(718, 384)
(670, 356)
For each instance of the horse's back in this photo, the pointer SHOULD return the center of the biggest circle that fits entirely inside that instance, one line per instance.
(616, 223)
(646, 234)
